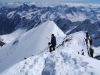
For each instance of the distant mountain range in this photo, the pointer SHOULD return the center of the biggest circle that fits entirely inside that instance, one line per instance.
(26, 29)
(69, 17)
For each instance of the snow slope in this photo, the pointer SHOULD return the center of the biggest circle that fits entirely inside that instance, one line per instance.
(11, 37)
(64, 61)
(30, 43)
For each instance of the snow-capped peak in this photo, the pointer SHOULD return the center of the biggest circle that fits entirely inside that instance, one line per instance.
(30, 43)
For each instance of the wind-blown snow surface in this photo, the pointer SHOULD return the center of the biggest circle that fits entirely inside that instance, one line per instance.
(64, 61)
(11, 37)
(30, 43)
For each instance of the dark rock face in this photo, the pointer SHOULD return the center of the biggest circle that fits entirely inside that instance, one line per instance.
(2, 43)
(97, 57)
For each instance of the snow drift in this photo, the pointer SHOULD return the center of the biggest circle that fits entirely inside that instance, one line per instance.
(30, 43)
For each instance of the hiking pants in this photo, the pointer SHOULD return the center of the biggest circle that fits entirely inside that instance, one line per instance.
(52, 46)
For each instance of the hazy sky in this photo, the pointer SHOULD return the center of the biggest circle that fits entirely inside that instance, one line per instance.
(70, 1)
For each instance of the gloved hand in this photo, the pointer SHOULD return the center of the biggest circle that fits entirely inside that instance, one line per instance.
(49, 43)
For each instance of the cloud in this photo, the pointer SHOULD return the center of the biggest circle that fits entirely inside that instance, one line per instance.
(71, 1)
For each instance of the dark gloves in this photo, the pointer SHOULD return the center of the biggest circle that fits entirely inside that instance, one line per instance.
(49, 43)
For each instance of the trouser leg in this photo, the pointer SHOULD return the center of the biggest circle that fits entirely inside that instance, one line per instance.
(92, 54)
(53, 47)
(50, 48)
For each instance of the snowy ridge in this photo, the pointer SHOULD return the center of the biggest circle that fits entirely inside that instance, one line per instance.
(64, 61)
(30, 43)
(33, 32)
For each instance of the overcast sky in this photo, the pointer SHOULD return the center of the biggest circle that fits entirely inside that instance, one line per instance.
(70, 1)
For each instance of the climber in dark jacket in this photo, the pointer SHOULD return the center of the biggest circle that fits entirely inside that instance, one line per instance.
(53, 43)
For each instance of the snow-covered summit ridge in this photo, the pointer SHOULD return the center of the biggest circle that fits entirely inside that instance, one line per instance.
(64, 60)
(30, 43)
